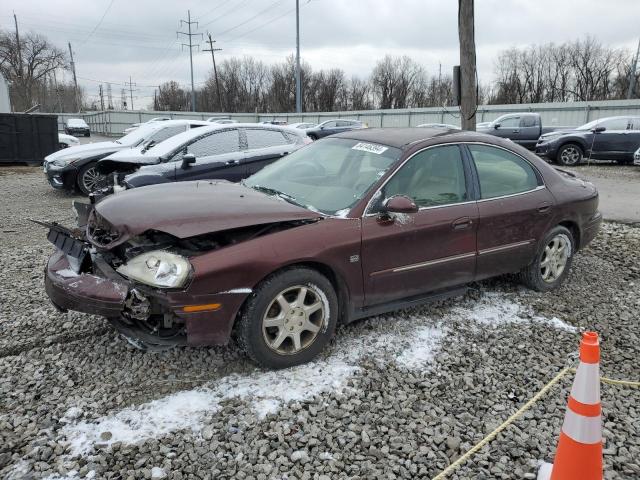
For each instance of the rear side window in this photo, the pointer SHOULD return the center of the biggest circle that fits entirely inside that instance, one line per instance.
(218, 143)
(168, 132)
(615, 124)
(528, 121)
(501, 172)
(262, 138)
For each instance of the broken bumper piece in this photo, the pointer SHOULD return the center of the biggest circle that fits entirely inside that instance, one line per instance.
(84, 292)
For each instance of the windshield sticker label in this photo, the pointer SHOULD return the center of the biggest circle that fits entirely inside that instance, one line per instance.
(370, 147)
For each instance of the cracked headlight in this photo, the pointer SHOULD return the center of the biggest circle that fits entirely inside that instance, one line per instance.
(158, 269)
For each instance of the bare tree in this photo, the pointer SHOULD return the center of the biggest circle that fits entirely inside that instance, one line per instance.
(172, 97)
(26, 69)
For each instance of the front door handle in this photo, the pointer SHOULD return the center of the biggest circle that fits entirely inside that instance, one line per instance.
(462, 223)
(544, 208)
(233, 162)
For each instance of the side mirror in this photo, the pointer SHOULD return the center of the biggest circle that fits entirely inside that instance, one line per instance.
(400, 204)
(496, 126)
(188, 159)
(599, 129)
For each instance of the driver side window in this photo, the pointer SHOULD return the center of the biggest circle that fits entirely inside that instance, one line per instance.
(432, 177)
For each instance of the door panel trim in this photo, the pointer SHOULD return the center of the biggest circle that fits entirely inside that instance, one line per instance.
(429, 263)
(507, 246)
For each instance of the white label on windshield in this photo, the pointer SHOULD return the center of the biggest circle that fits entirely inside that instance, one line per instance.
(370, 147)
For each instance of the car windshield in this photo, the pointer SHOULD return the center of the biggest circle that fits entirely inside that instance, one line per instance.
(140, 134)
(328, 176)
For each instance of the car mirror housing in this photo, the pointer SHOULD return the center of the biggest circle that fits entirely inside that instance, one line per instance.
(496, 126)
(188, 159)
(400, 204)
(599, 129)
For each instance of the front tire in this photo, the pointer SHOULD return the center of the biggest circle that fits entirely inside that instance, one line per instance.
(88, 178)
(552, 263)
(289, 318)
(570, 154)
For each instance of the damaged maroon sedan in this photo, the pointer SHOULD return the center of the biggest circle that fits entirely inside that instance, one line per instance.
(354, 225)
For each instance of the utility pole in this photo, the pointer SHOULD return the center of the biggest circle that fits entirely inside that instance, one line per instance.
(109, 97)
(468, 75)
(130, 85)
(298, 83)
(75, 80)
(123, 98)
(215, 71)
(440, 83)
(101, 97)
(188, 22)
(632, 73)
(20, 70)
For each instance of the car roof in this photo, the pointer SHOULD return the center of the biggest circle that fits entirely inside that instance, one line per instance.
(181, 138)
(395, 137)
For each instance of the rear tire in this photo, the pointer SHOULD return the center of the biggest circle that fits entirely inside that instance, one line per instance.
(552, 262)
(288, 319)
(569, 155)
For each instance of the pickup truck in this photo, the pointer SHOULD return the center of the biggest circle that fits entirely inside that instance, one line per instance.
(523, 128)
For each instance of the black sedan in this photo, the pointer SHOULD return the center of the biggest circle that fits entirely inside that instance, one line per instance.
(331, 127)
(219, 151)
(613, 138)
(73, 168)
(77, 126)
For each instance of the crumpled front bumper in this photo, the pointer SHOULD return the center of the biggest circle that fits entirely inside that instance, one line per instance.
(102, 293)
(87, 293)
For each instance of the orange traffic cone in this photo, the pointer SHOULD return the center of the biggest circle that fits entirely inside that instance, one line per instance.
(579, 453)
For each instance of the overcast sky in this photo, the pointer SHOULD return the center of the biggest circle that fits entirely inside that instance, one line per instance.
(137, 38)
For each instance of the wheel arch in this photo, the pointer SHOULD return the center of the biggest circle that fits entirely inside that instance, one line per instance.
(336, 280)
(574, 228)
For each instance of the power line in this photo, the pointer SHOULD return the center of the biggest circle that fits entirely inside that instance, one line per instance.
(98, 24)
(231, 10)
(214, 9)
(269, 22)
(252, 18)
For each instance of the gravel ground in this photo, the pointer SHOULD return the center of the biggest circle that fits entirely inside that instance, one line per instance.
(396, 396)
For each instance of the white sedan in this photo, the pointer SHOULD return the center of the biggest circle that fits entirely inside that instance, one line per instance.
(66, 141)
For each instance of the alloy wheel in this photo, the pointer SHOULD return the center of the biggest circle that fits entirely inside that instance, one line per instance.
(294, 318)
(90, 179)
(554, 258)
(570, 156)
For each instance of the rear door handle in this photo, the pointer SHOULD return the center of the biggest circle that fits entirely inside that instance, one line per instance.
(462, 223)
(544, 208)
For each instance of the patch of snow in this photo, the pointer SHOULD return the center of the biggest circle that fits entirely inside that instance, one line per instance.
(66, 273)
(403, 218)
(238, 290)
(557, 323)
(342, 213)
(158, 473)
(71, 475)
(186, 410)
(417, 337)
(495, 309)
(545, 471)
(425, 342)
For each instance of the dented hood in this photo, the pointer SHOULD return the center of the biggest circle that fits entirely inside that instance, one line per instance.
(187, 209)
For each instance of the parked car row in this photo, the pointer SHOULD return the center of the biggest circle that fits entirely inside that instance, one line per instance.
(612, 138)
(356, 224)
